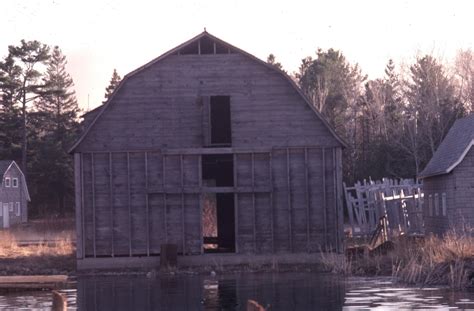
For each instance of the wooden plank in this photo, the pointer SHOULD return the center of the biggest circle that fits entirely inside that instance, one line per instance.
(323, 170)
(253, 205)
(93, 206)
(147, 208)
(197, 190)
(79, 204)
(111, 199)
(224, 150)
(272, 207)
(288, 174)
(129, 200)
(182, 204)
(82, 210)
(335, 209)
(308, 203)
(164, 198)
(236, 206)
(200, 203)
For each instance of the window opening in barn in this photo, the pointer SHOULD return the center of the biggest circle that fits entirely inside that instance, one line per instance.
(191, 48)
(443, 203)
(206, 46)
(7, 181)
(218, 219)
(15, 182)
(220, 121)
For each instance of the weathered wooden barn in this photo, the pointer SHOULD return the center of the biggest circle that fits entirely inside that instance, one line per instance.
(14, 195)
(448, 181)
(211, 149)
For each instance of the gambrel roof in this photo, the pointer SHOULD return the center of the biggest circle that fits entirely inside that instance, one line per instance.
(221, 45)
(452, 149)
(5, 165)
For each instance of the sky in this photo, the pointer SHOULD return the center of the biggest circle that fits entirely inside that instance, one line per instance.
(99, 35)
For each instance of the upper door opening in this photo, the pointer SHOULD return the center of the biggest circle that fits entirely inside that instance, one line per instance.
(220, 121)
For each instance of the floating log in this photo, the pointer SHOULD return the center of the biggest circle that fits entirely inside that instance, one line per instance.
(59, 301)
(252, 305)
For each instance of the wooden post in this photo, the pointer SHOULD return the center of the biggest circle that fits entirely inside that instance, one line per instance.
(236, 206)
(335, 210)
(59, 301)
(164, 197)
(201, 198)
(253, 205)
(323, 165)
(147, 207)
(129, 206)
(272, 216)
(182, 204)
(308, 203)
(111, 202)
(93, 204)
(79, 204)
(83, 220)
(288, 174)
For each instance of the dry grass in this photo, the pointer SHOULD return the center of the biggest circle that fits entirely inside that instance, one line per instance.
(10, 248)
(429, 261)
(447, 261)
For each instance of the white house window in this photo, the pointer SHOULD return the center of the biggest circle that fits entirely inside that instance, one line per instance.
(15, 182)
(18, 208)
(436, 204)
(7, 181)
(430, 205)
(10, 209)
(443, 203)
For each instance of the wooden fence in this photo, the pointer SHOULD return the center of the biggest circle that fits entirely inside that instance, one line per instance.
(400, 201)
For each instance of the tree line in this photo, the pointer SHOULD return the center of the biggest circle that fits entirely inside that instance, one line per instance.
(394, 124)
(39, 122)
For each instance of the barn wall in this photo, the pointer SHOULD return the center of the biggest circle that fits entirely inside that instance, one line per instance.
(162, 107)
(286, 200)
(464, 192)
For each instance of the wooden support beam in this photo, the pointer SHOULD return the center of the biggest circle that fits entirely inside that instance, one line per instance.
(288, 174)
(236, 206)
(323, 171)
(182, 204)
(79, 204)
(129, 206)
(83, 224)
(253, 205)
(335, 209)
(214, 46)
(272, 216)
(93, 206)
(201, 198)
(111, 202)
(308, 203)
(199, 47)
(147, 208)
(223, 150)
(165, 216)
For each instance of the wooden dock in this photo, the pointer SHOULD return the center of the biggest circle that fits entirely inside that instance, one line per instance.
(34, 282)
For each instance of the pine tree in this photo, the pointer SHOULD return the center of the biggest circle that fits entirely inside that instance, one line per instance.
(27, 56)
(58, 105)
(114, 82)
(56, 117)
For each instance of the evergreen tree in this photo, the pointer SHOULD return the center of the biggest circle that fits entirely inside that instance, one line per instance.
(56, 115)
(271, 59)
(27, 56)
(114, 82)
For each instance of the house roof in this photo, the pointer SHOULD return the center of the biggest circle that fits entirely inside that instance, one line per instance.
(452, 149)
(231, 47)
(5, 166)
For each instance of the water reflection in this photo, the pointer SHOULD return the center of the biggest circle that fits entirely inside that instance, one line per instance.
(295, 291)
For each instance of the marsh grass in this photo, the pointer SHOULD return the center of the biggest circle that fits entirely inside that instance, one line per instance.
(10, 248)
(430, 261)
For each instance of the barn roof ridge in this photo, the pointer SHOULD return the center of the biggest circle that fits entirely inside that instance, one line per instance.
(453, 148)
(174, 50)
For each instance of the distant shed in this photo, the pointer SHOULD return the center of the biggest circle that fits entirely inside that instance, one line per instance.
(14, 195)
(211, 149)
(448, 180)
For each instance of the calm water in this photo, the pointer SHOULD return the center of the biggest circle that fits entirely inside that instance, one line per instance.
(284, 291)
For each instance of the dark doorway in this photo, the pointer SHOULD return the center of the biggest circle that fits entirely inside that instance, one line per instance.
(218, 216)
(221, 133)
